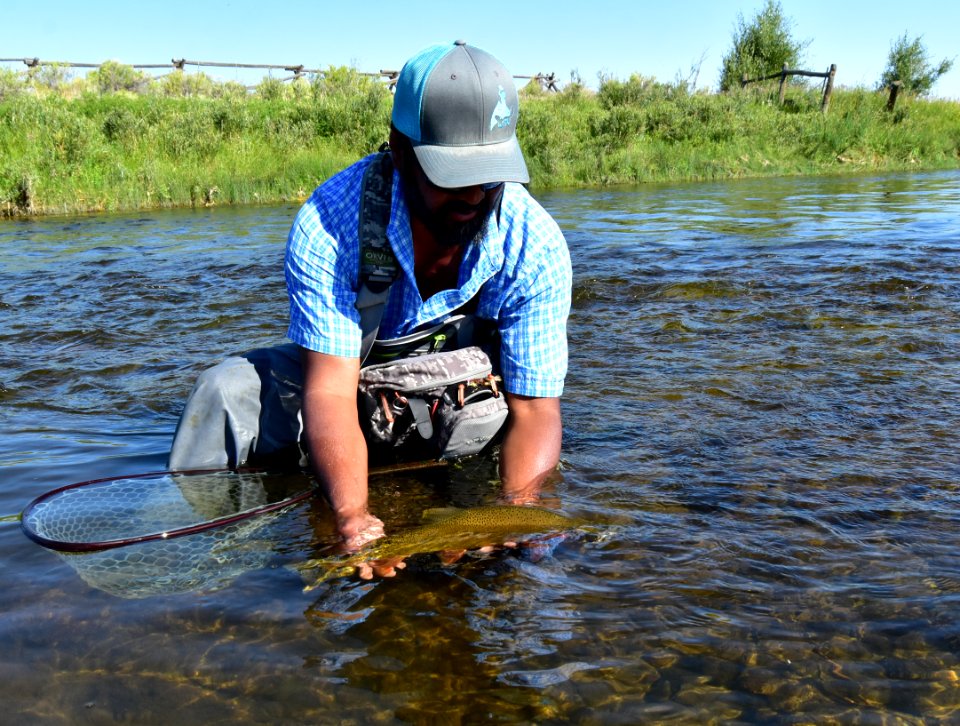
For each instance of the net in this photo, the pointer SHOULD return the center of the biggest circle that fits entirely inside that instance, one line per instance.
(126, 535)
(121, 511)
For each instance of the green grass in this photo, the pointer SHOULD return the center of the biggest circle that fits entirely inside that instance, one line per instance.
(186, 141)
(640, 131)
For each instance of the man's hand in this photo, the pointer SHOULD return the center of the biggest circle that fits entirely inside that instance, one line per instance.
(359, 531)
(528, 457)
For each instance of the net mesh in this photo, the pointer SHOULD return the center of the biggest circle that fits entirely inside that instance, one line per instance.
(201, 562)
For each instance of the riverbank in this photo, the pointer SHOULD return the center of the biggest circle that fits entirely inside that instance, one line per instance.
(186, 145)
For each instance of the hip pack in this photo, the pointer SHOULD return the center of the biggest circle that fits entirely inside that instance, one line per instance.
(447, 402)
(436, 394)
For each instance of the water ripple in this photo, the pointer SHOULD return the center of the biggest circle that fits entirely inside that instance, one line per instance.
(761, 404)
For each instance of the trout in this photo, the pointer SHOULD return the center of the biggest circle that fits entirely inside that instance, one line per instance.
(446, 530)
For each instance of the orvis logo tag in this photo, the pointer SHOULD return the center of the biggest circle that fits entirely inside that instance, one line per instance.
(501, 112)
(377, 258)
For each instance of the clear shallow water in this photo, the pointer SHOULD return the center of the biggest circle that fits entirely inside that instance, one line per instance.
(763, 392)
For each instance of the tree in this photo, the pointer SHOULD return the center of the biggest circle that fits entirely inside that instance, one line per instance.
(908, 63)
(760, 47)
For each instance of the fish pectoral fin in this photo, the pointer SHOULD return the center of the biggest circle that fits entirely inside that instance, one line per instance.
(332, 573)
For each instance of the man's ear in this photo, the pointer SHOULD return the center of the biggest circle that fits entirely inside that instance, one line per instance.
(397, 149)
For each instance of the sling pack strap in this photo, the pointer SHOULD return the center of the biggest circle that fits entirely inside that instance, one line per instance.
(378, 265)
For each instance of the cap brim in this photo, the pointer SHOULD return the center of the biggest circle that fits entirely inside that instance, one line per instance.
(453, 167)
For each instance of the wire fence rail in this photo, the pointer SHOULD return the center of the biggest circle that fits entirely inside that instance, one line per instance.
(547, 81)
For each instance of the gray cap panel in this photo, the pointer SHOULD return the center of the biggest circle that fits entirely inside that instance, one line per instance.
(465, 81)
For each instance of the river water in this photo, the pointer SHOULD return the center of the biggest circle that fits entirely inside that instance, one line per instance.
(762, 408)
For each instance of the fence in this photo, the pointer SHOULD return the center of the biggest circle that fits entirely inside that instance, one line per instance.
(895, 89)
(786, 72)
(547, 81)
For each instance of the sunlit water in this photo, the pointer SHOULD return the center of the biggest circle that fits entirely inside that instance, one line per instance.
(762, 398)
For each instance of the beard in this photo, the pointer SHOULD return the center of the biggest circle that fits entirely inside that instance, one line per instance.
(456, 234)
(447, 231)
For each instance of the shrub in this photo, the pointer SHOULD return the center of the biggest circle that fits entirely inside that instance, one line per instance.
(112, 77)
(638, 89)
(761, 47)
(271, 89)
(179, 84)
(11, 83)
(49, 77)
(909, 63)
(353, 107)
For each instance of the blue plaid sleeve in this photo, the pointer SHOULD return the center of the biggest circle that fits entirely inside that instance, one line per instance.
(321, 267)
(533, 318)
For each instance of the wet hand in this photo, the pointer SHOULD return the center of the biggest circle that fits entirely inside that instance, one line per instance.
(360, 530)
(533, 550)
(450, 557)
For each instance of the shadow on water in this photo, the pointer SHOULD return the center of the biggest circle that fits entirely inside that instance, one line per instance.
(762, 393)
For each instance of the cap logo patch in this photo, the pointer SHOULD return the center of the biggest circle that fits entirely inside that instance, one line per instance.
(501, 112)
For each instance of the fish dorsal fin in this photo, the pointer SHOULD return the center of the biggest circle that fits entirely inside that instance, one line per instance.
(439, 514)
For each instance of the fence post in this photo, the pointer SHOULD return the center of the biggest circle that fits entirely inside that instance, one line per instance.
(894, 92)
(828, 90)
(783, 84)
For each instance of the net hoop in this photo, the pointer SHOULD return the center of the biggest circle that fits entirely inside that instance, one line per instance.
(96, 546)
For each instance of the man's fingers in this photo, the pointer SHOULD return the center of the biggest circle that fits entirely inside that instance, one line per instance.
(537, 549)
(380, 568)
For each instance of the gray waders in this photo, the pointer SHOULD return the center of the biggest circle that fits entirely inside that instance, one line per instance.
(243, 410)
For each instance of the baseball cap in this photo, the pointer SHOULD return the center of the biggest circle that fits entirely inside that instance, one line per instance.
(458, 106)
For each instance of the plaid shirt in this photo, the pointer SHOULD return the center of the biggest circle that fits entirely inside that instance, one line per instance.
(521, 268)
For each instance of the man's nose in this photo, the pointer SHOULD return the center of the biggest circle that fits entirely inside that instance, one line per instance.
(471, 195)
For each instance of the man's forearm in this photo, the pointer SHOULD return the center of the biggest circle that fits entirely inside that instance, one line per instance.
(531, 446)
(338, 452)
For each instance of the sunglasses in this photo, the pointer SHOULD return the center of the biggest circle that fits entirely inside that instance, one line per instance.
(487, 187)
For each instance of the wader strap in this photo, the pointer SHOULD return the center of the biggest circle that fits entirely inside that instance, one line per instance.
(421, 414)
(378, 265)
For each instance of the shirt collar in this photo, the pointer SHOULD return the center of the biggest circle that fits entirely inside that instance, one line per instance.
(481, 260)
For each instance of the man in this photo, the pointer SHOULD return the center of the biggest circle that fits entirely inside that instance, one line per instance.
(465, 234)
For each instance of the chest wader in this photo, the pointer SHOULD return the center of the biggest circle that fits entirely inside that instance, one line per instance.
(246, 409)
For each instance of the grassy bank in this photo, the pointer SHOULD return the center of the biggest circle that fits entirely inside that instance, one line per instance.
(88, 148)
